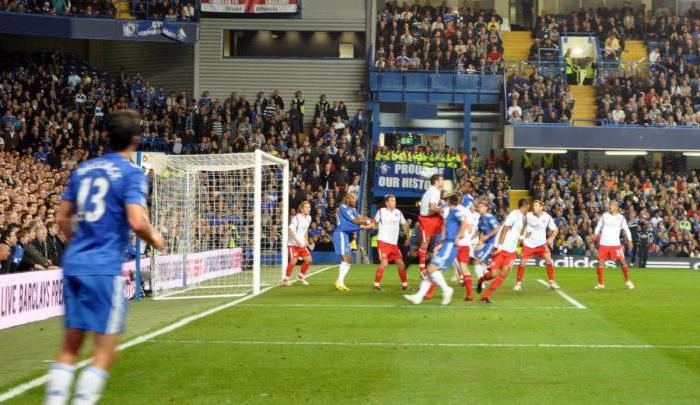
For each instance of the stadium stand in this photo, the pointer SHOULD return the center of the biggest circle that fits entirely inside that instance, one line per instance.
(667, 203)
(177, 10)
(438, 39)
(536, 99)
(54, 107)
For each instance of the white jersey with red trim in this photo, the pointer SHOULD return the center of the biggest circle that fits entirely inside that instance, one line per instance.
(610, 227)
(536, 229)
(473, 222)
(299, 225)
(431, 196)
(390, 222)
(515, 220)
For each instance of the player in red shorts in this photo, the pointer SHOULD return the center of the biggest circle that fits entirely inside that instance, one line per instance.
(390, 221)
(430, 220)
(608, 230)
(536, 242)
(298, 244)
(506, 252)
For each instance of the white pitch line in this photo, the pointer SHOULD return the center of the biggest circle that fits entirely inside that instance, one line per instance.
(564, 295)
(427, 344)
(22, 388)
(378, 306)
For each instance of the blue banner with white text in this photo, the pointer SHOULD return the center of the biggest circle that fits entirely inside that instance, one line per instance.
(404, 179)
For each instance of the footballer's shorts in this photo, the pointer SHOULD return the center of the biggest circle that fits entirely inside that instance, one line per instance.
(529, 252)
(95, 303)
(296, 253)
(611, 253)
(445, 256)
(503, 260)
(430, 226)
(463, 254)
(483, 254)
(389, 252)
(341, 243)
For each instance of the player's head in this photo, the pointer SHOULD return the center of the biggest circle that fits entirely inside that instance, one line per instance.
(124, 130)
(483, 207)
(390, 201)
(523, 205)
(538, 206)
(436, 180)
(454, 199)
(350, 199)
(614, 207)
(467, 186)
(305, 207)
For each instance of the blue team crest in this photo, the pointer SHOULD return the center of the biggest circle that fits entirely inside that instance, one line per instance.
(384, 168)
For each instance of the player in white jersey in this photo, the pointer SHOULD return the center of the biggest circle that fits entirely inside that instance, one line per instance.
(299, 244)
(431, 221)
(390, 220)
(506, 252)
(465, 246)
(608, 230)
(537, 243)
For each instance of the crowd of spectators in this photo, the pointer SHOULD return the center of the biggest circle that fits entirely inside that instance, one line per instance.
(664, 98)
(53, 110)
(535, 98)
(424, 37)
(168, 10)
(660, 201)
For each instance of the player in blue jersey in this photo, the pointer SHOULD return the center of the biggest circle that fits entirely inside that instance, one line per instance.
(467, 190)
(348, 223)
(107, 197)
(488, 229)
(453, 228)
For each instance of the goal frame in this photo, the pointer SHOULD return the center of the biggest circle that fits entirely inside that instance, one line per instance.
(257, 163)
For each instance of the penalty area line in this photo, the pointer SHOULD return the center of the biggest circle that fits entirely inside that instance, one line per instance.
(564, 295)
(29, 385)
(426, 344)
(382, 306)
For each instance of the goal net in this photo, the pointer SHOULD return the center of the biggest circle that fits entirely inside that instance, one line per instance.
(223, 219)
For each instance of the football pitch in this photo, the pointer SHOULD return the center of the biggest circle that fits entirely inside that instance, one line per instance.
(312, 344)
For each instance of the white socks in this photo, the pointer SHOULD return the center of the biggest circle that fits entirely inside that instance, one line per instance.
(439, 279)
(88, 388)
(480, 270)
(59, 384)
(424, 287)
(343, 271)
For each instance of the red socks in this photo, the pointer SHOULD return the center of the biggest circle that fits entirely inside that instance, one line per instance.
(626, 272)
(402, 275)
(290, 268)
(550, 272)
(489, 275)
(521, 272)
(601, 281)
(380, 273)
(494, 285)
(304, 267)
(422, 258)
(467, 278)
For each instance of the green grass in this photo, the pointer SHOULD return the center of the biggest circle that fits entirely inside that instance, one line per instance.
(365, 346)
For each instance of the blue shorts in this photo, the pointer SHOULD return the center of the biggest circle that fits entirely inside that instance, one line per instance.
(445, 256)
(484, 253)
(95, 303)
(341, 243)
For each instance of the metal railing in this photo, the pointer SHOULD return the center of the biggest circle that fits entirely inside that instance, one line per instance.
(142, 10)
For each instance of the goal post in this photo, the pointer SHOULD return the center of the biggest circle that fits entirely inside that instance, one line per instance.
(224, 220)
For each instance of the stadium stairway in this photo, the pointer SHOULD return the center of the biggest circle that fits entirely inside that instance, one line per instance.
(516, 45)
(585, 107)
(515, 195)
(123, 10)
(635, 51)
